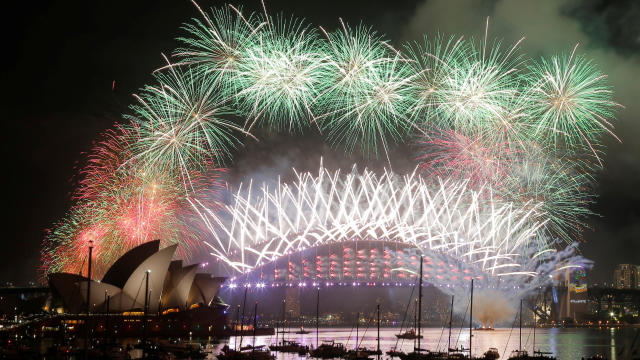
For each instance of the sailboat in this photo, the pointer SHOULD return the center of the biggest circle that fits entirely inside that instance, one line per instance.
(328, 349)
(377, 351)
(523, 354)
(538, 354)
(394, 352)
(411, 333)
(458, 353)
(452, 353)
(287, 346)
(357, 353)
(251, 352)
(277, 345)
(418, 353)
(303, 331)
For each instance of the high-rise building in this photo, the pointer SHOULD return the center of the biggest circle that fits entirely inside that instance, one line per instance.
(626, 276)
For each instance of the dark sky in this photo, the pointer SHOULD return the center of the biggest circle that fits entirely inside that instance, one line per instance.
(60, 58)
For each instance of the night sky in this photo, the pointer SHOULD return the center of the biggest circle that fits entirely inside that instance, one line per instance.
(60, 59)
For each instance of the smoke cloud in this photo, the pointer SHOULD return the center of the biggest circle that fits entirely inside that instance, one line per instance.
(491, 308)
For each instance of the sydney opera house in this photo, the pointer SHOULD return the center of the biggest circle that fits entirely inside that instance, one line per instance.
(144, 285)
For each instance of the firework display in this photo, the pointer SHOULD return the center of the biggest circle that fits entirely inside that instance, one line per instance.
(368, 94)
(571, 102)
(179, 125)
(450, 154)
(122, 204)
(317, 210)
(506, 147)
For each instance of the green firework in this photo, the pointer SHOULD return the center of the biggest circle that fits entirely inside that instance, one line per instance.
(215, 45)
(557, 186)
(181, 124)
(368, 94)
(432, 62)
(572, 103)
(280, 76)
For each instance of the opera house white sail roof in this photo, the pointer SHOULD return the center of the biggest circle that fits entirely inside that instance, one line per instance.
(170, 285)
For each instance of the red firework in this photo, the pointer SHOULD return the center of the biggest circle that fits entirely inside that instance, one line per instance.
(452, 154)
(121, 204)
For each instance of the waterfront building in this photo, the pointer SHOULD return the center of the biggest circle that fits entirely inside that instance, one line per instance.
(626, 276)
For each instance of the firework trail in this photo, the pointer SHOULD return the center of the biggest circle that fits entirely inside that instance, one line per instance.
(463, 234)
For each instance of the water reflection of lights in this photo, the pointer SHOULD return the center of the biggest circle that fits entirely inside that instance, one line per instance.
(612, 334)
(553, 340)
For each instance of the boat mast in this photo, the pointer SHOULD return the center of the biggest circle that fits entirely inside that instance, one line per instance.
(244, 302)
(276, 332)
(357, 328)
(255, 325)
(284, 303)
(534, 329)
(146, 310)
(235, 330)
(420, 304)
(317, 317)
(89, 281)
(106, 327)
(415, 323)
(86, 324)
(289, 329)
(520, 343)
(471, 320)
(450, 320)
(378, 350)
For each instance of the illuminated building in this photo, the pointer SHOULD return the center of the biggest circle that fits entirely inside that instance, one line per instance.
(626, 276)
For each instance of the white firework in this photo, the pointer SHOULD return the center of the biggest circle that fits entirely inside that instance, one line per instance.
(443, 216)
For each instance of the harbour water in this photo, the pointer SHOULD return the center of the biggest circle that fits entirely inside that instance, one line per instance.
(564, 343)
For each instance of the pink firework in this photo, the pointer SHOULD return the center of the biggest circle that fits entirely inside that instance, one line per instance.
(121, 204)
(452, 154)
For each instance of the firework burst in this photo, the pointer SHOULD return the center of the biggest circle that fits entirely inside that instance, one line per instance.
(179, 125)
(122, 205)
(474, 95)
(432, 62)
(559, 187)
(451, 154)
(280, 77)
(368, 95)
(572, 103)
(216, 45)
